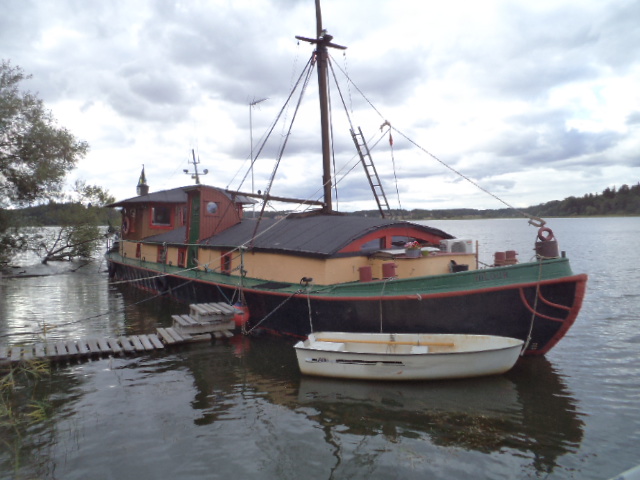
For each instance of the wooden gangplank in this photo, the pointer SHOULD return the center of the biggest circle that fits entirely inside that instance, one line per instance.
(211, 321)
(87, 348)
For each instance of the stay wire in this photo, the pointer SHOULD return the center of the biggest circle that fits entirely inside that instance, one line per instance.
(460, 174)
(304, 75)
(281, 152)
(297, 292)
(395, 173)
(443, 163)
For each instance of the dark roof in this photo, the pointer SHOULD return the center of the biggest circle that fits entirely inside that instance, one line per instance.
(176, 195)
(321, 235)
(177, 235)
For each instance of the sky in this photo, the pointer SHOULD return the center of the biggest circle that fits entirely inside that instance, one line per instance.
(491, 104)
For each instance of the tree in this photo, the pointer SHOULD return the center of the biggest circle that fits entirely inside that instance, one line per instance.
(35, 153)
(79, 233)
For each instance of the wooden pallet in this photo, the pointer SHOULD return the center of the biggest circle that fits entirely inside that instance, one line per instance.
(205, 318)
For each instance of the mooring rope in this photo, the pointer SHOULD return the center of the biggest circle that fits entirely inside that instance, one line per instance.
(384, 285)
(535, 306)
(309, 308)
(273, 311)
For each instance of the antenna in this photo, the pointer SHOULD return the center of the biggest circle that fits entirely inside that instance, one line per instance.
(195, 175)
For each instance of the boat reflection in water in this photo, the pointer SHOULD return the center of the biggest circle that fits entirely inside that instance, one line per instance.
(528, 410)
(483, 414)
(248, 400)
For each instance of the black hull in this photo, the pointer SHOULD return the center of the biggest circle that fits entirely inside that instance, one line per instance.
(506, 311)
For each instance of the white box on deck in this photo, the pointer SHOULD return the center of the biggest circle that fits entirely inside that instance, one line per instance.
(456, 245)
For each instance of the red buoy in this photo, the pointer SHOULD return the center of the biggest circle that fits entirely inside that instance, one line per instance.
(242, 315)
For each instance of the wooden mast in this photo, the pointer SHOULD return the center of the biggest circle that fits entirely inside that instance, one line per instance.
(321, 57)
(322, 41)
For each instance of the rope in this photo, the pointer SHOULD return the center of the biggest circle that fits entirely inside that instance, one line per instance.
(393, 163)
(309, 308)
(460, 174)
(384, 285)
(273, 311)
(281, 152)
(538, 222)
(533, 314)
(267, 135)
(346, 69)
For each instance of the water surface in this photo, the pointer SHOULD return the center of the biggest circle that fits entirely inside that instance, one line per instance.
(241, 409)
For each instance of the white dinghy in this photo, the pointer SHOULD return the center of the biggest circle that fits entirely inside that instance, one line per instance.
(405, 356)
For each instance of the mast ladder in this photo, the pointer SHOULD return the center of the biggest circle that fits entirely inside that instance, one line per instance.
(372, 173)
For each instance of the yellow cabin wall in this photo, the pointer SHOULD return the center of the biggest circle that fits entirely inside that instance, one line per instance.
(148, 253)
(436, 264)
(172, 256)
(287, 268)
(128, 249)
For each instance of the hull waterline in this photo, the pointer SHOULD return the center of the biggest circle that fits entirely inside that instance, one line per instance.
(531, 302)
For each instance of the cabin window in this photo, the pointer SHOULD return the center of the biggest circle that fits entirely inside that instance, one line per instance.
(225, 262)
(375, 244)
(211, 208)
(160, 216)
(182, 257)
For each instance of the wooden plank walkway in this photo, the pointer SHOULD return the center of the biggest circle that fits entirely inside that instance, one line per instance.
(215, 322)
(98, 347)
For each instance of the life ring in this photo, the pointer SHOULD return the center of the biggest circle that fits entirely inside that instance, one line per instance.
(125, 225)
(545, 238)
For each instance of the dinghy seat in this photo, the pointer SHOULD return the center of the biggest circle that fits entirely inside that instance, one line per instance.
(420, 349)
(331, 346)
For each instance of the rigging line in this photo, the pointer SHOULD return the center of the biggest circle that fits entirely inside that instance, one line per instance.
(281, 152)
(303, 76)
(241, 168)
(295, 63)
(360, 92)
(333, 151)
(444, 164)
(395, 173)
(346, 69)
(288, 133)
(344, 105)
(374, 145)
(273, 311)
(119, 282)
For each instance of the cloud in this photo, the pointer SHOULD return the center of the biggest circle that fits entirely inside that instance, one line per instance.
(533, 100)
